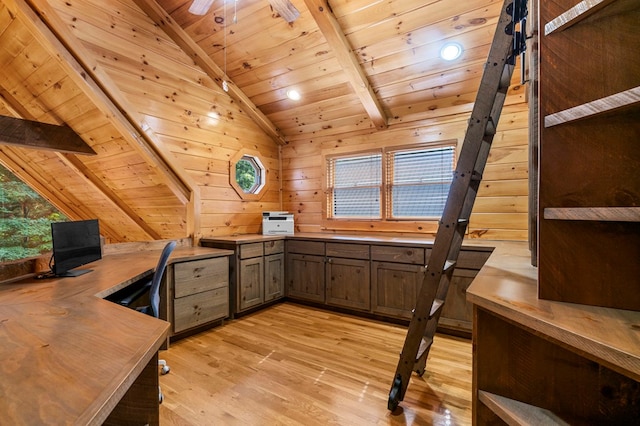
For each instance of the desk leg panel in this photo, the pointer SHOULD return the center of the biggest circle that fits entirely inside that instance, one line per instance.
(140, 404)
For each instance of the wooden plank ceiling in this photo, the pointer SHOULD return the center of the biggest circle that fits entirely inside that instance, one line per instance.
(397, 75)
(140, 81)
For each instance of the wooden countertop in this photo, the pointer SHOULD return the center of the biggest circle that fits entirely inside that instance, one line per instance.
(507, 286)
(68, 356)
(345, 238)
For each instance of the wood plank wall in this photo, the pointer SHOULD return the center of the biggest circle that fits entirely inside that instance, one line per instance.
(39, 85)
(177, 98)
(189, 113)
(501, 209)
(202, 129)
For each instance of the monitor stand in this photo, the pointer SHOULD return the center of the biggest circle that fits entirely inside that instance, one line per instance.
(74, 273)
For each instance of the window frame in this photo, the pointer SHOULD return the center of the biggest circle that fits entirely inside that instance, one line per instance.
(258, 190)
(386, 186)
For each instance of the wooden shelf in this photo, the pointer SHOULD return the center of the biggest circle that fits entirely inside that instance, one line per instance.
(599, 106)
(607, 214)
(516, 413)
(576, 14)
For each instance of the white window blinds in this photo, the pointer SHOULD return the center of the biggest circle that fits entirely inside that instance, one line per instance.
(418, 181)
(355, 184)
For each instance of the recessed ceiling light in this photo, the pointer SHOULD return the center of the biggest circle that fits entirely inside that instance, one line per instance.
(293, 94)
(451, 51)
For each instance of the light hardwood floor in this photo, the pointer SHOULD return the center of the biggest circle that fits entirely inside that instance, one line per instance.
(295, 365)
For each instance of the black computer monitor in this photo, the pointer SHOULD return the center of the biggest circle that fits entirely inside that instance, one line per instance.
(75, 243)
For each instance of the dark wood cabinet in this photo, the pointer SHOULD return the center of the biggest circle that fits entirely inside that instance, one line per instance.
(394, 288)
(305, 273)
(396, 276)
(364, 274)
(348, 283)
(256, 270)
(457, 313)
(274, 267)
(305, 277)
(378, 278)
(199, 292)
(250, 283)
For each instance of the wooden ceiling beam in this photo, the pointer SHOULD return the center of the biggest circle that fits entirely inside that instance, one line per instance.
(200, 57)
(32, 134)
(329, 26)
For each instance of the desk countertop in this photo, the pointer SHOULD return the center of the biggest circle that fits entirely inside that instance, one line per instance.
(507, 285)
(67, 356)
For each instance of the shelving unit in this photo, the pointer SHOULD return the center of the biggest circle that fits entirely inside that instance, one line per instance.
(539, 360)
(589, 194)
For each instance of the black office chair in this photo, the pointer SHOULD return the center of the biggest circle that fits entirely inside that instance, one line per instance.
(152, 287)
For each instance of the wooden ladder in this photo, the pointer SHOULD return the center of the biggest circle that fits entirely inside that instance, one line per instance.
(506, 46)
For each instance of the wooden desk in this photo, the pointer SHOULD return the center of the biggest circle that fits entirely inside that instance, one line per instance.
(68, 356)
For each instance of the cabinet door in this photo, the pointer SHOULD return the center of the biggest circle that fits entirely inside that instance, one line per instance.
(251, 283)
(457, 313)
(395, 288)
(348, 283)
(305, 277)
(273, 276)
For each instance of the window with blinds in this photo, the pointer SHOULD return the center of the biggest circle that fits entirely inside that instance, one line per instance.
(397, 184)
(418, 181)
(355, 186)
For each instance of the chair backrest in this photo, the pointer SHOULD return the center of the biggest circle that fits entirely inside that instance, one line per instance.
(154, 292)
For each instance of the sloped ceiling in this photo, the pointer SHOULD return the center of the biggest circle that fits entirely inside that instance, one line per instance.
(395, 47)
(140, 81)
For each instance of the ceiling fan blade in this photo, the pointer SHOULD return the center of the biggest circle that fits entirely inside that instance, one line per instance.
(200, 7)
(285, 9)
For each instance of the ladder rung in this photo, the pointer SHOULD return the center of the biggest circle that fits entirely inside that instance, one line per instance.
(448, 265)
(437, 305)
(425, 344)
(505, 79)
(491, 127)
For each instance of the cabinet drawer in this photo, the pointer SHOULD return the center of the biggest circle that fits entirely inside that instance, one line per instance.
(350, 251)
(306, 247)
(273, 247)
(197, 309)
(411, 255)
(200, 275)
(248, 251)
